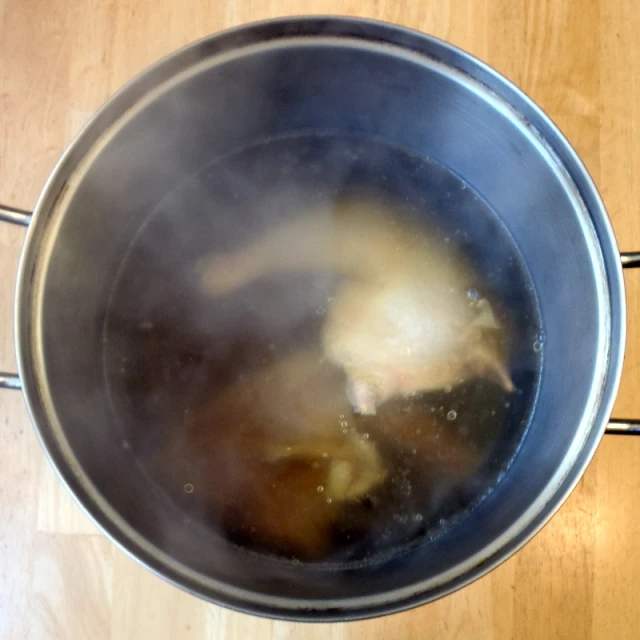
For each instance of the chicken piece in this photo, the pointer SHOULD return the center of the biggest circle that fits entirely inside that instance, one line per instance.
(300, 405)
(268, 457)
(354, 466)
(402, 321)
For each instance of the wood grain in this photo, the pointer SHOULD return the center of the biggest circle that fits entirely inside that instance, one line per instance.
(59, 61)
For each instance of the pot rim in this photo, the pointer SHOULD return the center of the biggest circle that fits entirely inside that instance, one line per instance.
(65, 175)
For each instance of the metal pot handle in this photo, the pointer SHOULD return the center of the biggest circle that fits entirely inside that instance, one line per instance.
(630, 260)
(16, 216)
(12, 380)
(22, 218)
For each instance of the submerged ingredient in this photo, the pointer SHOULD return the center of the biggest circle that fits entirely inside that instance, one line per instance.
(401, 321)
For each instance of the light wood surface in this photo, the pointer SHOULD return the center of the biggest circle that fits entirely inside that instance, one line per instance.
(59, 578)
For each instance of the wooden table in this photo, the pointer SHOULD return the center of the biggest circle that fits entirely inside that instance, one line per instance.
(59, 578)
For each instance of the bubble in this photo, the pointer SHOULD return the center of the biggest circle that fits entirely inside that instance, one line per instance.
(295, 561)
(452, 415)
(342, 416)
(537, 346)
(414, 451)
(345, 431)
(188, 488)
(325, 455)
(448, 389)
(365, 436)
(329, 500)
(417, 517)
(441, 521)
(125, 445)
(253, 529)
(122, 369)
(344, 423)
(320, 488)
(320, 311)
(473, 295)
(145, 326)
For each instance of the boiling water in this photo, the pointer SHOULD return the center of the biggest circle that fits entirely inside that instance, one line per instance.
(212, 392)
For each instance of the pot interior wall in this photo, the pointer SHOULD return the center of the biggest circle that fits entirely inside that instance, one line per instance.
(367, 90)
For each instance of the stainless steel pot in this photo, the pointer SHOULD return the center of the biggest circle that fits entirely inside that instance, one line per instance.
(272, 79)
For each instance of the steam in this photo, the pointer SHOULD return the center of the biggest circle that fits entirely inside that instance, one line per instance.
(186, 369)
